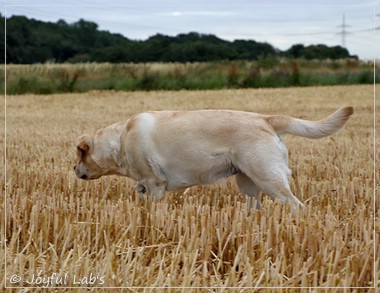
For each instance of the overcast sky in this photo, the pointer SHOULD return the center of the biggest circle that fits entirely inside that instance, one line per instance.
(280, 23)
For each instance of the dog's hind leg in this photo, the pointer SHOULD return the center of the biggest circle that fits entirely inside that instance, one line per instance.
(274, 182)
(279, 190)
(249, 189)
(268, 168)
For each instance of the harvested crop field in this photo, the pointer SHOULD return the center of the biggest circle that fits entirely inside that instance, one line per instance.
(64, 232)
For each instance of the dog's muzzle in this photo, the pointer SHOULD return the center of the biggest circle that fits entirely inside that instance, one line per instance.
(77, 172)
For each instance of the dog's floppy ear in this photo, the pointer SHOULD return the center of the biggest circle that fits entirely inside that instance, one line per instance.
(85, 144)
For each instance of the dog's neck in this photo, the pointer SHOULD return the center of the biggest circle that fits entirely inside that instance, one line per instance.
(110, 149)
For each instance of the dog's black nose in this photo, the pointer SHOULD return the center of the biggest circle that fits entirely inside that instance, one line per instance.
(83, 177)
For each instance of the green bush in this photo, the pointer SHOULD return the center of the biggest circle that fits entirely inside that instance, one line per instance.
(268, 72)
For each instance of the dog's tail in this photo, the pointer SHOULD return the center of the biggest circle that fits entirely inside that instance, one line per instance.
(311, 129)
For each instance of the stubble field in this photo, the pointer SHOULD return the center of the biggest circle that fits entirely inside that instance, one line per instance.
(71, 233)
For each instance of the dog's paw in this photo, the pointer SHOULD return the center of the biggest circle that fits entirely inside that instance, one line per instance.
(140, 189)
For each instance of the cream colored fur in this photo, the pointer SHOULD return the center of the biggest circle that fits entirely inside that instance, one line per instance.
(169, 150)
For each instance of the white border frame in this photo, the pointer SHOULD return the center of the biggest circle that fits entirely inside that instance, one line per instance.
(6, 278)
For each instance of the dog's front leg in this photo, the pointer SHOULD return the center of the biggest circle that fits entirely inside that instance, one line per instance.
(141, 190)
(153, 189)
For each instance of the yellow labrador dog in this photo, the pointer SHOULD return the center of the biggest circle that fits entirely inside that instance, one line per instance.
(168, 150)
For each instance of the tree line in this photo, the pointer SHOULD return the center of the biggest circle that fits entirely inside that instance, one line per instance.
(31, 41)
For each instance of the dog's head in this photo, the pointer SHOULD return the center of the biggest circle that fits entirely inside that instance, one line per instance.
(86, 168)
(98, 155)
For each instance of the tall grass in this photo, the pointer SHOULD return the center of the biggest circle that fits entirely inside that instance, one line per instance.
(62, 78)
(55, 223)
